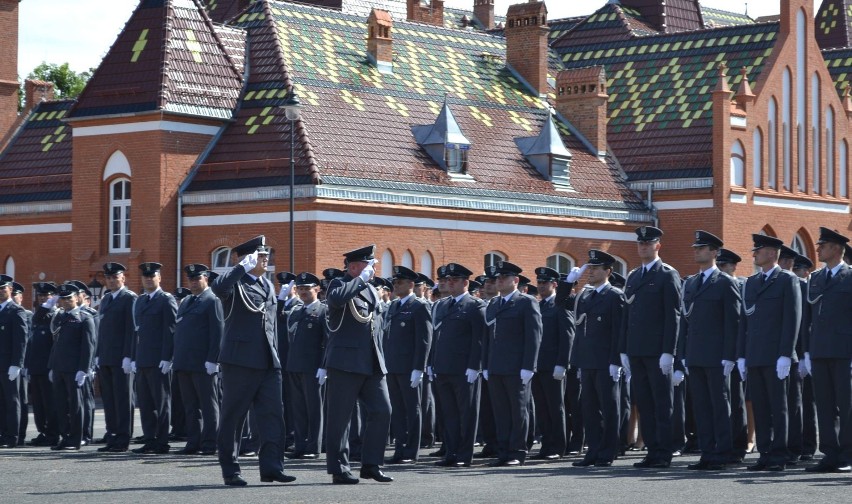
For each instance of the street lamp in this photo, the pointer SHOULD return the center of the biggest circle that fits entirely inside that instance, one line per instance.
(95, 288)
(293, 110)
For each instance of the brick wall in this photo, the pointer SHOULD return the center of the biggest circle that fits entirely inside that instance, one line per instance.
(526, 43)
(428, 12)
(8, 65)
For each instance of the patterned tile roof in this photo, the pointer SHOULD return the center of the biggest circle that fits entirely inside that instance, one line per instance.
(185, 67)
(659, 90)
(611, 22)
(558, 27)
(36, 166)
(839, 63)
(359, 121)
(221, 11)
(715, 18)
(833, 24)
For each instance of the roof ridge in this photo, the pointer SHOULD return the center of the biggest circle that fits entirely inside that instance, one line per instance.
(213, 30)
(165, 58)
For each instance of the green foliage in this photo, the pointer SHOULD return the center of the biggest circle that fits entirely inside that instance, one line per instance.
(67, 83)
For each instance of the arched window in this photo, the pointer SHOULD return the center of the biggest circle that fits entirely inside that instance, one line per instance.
(119, 215)
(220, 260)
(386, 264)
(757, 158)
(426, 264)
(10, 266)
(787, 112)
(492, 258)
(816, 133)
(270, 267)
(407, 260)
(829, 151)
(773, 144)
(620, 266)
(799, 245)
(843, 164)
(562, 263)
(737, 164)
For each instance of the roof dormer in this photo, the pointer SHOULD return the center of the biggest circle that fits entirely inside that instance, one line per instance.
(548, 154)
(445, 143)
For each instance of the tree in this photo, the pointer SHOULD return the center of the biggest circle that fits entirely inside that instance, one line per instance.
(66, 82)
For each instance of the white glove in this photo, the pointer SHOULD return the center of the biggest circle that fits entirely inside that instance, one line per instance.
(50, 303)
(416, 378)
(91, 374)
(165, 366)
(472, 375)
(429, 373)
(741, 366)
(14, 372)
(685, 368)
(526, 376)
(125, 365)
(805, 365)
(559, 373)
(211, 367)
(727, 367)
(50, 376)
(782, 367)
(666, 363)
(322, 375)
(97, 360)
(368, 271)
(485, 374)
(614, 372)
(132, 366)
(625, 365)
(80, 378)
(286, 290)
(249, 262)
(575, 273)
(677, 378)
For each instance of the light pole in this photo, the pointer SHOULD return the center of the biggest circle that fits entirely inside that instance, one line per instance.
(293, 110)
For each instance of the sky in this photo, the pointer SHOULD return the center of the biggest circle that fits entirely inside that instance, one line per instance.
(80, 32)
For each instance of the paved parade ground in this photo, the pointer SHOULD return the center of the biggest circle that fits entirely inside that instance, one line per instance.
(44, 476)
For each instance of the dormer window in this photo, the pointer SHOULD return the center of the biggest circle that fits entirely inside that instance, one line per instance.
(445, 143)
(548, 154)
(456, 160)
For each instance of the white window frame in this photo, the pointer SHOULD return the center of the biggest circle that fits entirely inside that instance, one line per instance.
(737, 164)
(492, 258)
(557, 257)
(215, 260)
(123, 205)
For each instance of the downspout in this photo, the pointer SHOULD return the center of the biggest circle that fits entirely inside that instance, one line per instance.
(650, 204)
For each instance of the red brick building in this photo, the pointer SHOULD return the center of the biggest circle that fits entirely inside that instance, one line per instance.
(440, 135)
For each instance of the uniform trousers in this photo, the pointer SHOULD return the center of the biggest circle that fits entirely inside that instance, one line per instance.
(200, 393)
(10, 402)
(833, 394)
(708, 387)
(44, 407)
(69, 408)
(549, 395)
(153, 392)
(809, 417)
(305, 396)
(574, 432)
(25, 410)
(509, 399)
(739, 419)
(406, 416)
(769, 400)
(601, 420)
(795, 417)
(427, 408)
(460, 405)
(88, 391)
(653, 395)
(116, 394)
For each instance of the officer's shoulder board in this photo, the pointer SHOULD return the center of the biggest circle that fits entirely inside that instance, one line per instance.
(665, 267)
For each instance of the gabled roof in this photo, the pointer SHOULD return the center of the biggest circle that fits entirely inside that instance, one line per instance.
(169, 57)
(715, 18)
(833, 24)
(221, 11)
(839, 63)
(359, 121)
(36, 166)
(611, 22)
(558, 27)
(659, 91)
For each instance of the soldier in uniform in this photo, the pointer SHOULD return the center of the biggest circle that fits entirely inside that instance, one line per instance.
(598, 310)
(13, 341)
(456, 362)
(548, 384)
(648, 344)
(356, 370)
(828, 353)
(84, 301)
(308, 336)
(154, 321)
(251, 369)
(802, 268)
(794, 382)
(199, 326)
(510, 354)
(288, 302)
(708, 345)
(486, 412)
(772, 307)
(18, 298)
(70, 358)
(35, 362)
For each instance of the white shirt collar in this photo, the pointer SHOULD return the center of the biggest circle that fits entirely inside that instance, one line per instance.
(709, 271)
(508, 297)
(770, 272)
(461, 296)
(404, 300)
(601, 287)
(650, 265)
(835, 269)
(4, 303)
(152, 294)
(116, 293)
(550, 297)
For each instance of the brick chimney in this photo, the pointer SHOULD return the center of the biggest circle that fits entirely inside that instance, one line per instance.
(8, 65)
(380, 40)
(35, 92)
(483, 11)
(526, 43)
(582, 99)
(426, 11)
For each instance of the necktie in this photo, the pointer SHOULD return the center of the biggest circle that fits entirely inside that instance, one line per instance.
(828, 274)
(502, 301)
(642, 275)
(451, 303)
(703, 279)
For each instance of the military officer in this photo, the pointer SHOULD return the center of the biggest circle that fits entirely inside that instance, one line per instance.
(828, 353)
(199, 326)
(251, 369)
(510, 355)
(786, 261)
(154, 321)
(708, 346)
(288, 302)
(18, 297)
(548, 384)
(802, 268)
(13, 341)
(406, 341)
(308, 336)
(356, 370)
(70, 358)
(37, 355)
(648, 344)
(456, 363)
(84, 299)
(598, 310)
(486, 411)
(772, 308)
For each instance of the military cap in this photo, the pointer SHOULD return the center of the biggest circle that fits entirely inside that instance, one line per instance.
(456, 270)
(331, 273)
(196, 270)
(761, 241)
(182, 292)
(480, 280)
(150, 268)
(81, 287)
(423, 279)
(45, 288)
(381, 283)
(360, 254)
(847, 254)
(545, 274)
(284, 277)
(505, 268)
(442, 272)
(802, 262)
(113, 268)
(532, 290)
(17, 288)
(256, 244)
(617, 280)
(67, 290)
(828, 235)
(403, 273)
(491, 272)
(473, 286)
(523, 280)
(648, 233)
(305, 278)
(788, 253)
(600, 258)
(705, 239)
(726, 256)
(6, 280)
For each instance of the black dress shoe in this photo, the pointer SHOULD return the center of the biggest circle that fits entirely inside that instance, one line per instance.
(775, 466)
(117, 449)
(446, 463)
(248, 453)
(143, 449)
(400, 461)
(497, 463)
(160, 450)
(603, 463)
(660, 464)
(211, 451)
(39, 440)
(462, 464)
(69, 447)
(186, 451)
(375, 473)
(294, 455)
(701, 465)
(279, 476)
(806, 456)
(486, 452)
(644, 463)
(514, 463)
(104, 448)
(583, 463)
(344, 479)
(823, 468)
(440, 453)
(759, 466)
(677, 453)
(235, 480)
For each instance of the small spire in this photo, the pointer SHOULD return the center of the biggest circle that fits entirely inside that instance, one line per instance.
(847, 99)
(745, 87)
(722, 83)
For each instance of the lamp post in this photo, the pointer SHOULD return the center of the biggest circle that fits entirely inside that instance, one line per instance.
(96, 288)
(293, 110)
